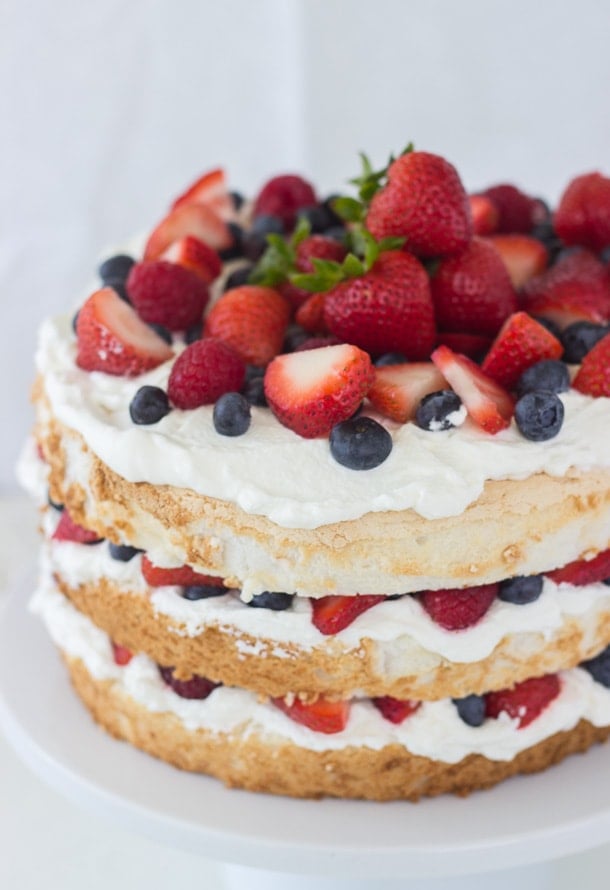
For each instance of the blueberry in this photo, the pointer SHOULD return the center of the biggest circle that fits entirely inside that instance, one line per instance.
(317, 216)
(193, 333)
(238, 199)
(54, 504)
(435, 410)
(579, 338)
(120, 288)
(295, 335)
(549, 374)
(521, 589)
(202, 591)
(335, 219)
(75, 320)
(232, 414)
(604, 254)
(391, 358)
(277, 602)
(116, 268)
(239, 276)
(337, 233)
(236, 248)
(539, 415)
(253, 371)
(599, 667)
(149, 405)
(162, 332)
(255, 240)
(471, 709)
(606, 581)
(549, 324)
(360, 443)
(123, 552)
(254, 392)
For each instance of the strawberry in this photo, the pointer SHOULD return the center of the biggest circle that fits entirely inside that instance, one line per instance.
(472, 345)
(68, 530)
(321, 715)
(252, 320)
(583, 214)
(314, 247)
(583, 571)
(310, 315)
(330, 614)
(121, 655)
(394, 709)
(489, 405)
(523, 256)
(593, 377)
(576, 288)
(193, 254)
(198, 220)
(485, 215)
(458, 609)
(388, 309)
(111, 338)
(205, 371)
(166, 293)
(282, 196)
(184, 576)
(521, 343)
(397, 390)
(525, 701)
(517, 211)
(209, 189)
(424, 201)
(311, 391)
(472, 292)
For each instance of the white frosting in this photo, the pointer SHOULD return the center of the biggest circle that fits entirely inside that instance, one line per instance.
(295, 482)
(434, 731)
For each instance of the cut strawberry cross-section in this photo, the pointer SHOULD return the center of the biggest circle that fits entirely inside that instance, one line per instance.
(195, 255)
(583, 571)
(522, 255)
(330, 614)
(525, 701)
(183, 576)
(321, 715)
(394, 709)
(198, 220)
(210, 189)
(397, 390)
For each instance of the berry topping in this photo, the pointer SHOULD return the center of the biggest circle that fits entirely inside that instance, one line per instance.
(549, 374)
(593, 377)
(314, 247)
(517, 211)
(473, 345)
(68, 530)
(235, 249)
(521, 590)
(485, 215)
(202, 591)
(252, 320)
(579, 339)
(121, 655)
(238, 276)
(209, 189)
(423, 200)
(521, 342)
(583, 571)
(360, 443)
(310, 314)
(583, 214)
(471, 709)
(52, 503)
(599, 667)
(253, 390)
(457, 609)
(440, 410)
(282, 196)
(115, 268)
(311, 391)
(254, 241)
(149, 405)
(111, 338)
(330, 614)
(397, 390)
(194, 687)
(489, 405)
(539, 415)
(394, 709)
(193, 254)
(183, 576)
(166, 293)
(122, 552)
(574, 289)
(320, 716)
(522, 255)
(232, 414)
(270, 599)
(390, 358)
(203, 372)
(525, 701)
(197, 220)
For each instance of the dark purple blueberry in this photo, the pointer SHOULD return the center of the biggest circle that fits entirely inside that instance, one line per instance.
(236, 249)
(599, 667)
(434, 411)
(539, 415)
(391, 358)
(471, 709)
(604, 254)
(548, 323)
(239, 276)
(549, 374)
(337, 233)
(162, 332)
(360, 443)
(149, 405)
(195, 687)
(521, 590)
(579, 338)
(123, 552)
(606, 581)
(75, 320)
(202, 591)
(295, 335)
(232, 414)
(193, 333)
(238, 199)
(277, 602)
(255, 239)
(333, 216)
(120, 289)
(254, 392)
(317, 216)
(116, 268)
(54, 504)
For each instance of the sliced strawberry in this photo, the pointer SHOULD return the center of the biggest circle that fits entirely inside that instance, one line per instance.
(521, 343)
(311, 391)
(121, 655)
(457, 609)
(578, 304)
(210, 189)
(485, 214)
(583, 214)
(206, 370)
(394, 709)
(320, 716)
(525, 701)
(193, 254)
(575, 288)
(397, 390)
(489, 405)
(472, 345)
(310, 314)
(111, 338)
(252, 320)
(523, 256)
(330, 614)
(68, 530)
(593, 377)
(166, 293)
(184, 576)
(198, 220)
(583, 571)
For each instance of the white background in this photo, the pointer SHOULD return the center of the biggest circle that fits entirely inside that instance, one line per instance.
(107, 109)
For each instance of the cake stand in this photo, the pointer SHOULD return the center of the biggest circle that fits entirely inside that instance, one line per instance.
(326, 844)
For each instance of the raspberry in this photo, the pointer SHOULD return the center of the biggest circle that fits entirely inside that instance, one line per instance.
(458, 609)
(282, 196)
(525, 700)
(206, 370)
(167, 293)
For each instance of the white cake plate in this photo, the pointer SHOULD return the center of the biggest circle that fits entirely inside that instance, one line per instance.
(343, 843)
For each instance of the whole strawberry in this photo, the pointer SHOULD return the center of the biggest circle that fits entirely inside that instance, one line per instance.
(252, 320)
(583, 215)
(517, 212)
(593, 377)
(424, 201)
(388, 309)
(314, 247)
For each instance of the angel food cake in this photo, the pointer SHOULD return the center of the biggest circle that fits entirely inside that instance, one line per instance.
(325, 484)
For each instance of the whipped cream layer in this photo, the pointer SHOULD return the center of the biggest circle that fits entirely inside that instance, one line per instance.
(295, 482)
(434, 731)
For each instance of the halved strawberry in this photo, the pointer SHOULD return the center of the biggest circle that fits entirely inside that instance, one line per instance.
(311, 391)
(485, 215)
(472, 345)
(121, 655)
(525, 701)
(68, 530)
(489, 405)
(193, 254)
(320, 716)
(397, 390)
(593, 377)
(198, 220)
(578, 304)
(184, 576)
(394, 709)
(210, 189)
(111, 337)
(310, 314)
(330, 614)
(457, 609)
(521, 343)
(522, 255)
(252, 320)
(583, 571)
